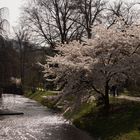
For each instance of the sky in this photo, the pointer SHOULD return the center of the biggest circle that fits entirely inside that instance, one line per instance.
(14, 9)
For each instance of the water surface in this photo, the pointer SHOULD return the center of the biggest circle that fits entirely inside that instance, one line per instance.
(37, 123)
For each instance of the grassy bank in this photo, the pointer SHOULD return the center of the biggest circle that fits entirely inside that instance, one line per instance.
(41, 97)
(122, 122)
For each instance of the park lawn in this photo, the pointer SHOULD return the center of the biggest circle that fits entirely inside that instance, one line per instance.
(122, 122)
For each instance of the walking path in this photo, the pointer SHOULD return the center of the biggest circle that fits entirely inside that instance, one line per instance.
(131, 98)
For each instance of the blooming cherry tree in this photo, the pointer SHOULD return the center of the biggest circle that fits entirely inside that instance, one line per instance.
(111, 56)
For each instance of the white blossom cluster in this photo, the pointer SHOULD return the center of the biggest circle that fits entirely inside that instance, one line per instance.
(111, 56)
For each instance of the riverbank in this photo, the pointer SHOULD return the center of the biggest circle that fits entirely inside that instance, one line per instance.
(121, 123)
(43, 97)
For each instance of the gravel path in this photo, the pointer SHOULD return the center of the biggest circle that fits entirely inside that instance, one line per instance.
(137, 99)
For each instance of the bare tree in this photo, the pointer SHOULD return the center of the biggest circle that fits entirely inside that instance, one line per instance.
(126, 11)
(90, 12)
(23, 38)
(4, 24)
(50, 21)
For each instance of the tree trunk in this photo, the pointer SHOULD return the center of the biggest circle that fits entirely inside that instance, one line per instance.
(106, 97)
(89, 32)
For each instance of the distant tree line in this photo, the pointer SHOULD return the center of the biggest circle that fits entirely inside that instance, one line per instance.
(19, 56)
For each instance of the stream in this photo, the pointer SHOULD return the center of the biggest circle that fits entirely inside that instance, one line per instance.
(37, 123)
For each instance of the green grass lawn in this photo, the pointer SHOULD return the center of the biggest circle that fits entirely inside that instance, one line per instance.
(122, 122)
